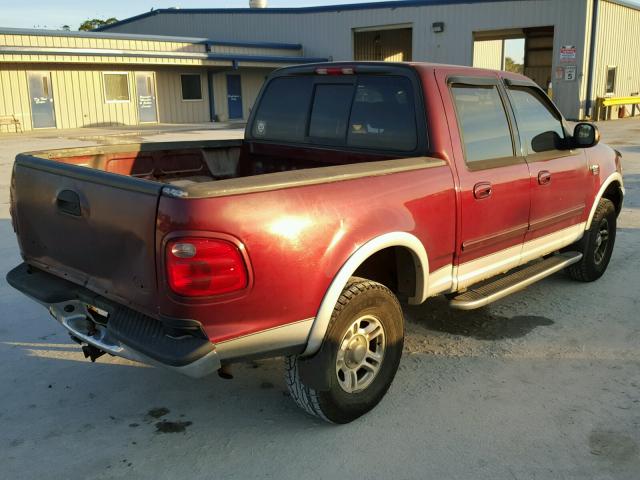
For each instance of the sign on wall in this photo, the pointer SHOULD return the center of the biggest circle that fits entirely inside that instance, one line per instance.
(570, 73)
(568, 53)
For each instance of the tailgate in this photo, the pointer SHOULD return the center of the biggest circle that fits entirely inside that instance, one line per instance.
(94, 228)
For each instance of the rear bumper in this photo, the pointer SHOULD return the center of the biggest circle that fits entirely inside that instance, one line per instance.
(115, 329)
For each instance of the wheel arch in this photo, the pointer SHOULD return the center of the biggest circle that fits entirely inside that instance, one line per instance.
(402, 240)
(613, 189)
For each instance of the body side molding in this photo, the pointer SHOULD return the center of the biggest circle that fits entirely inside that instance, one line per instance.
(614, 177)
(393, 239)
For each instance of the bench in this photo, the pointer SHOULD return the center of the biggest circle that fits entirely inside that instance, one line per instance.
(10, 120)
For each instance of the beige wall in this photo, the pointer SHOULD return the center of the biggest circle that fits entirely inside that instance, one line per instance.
(78, 95)
(79, 99)
(618, 39)
(171, 107)
(92, 41)
(14, 97)
(487, 54)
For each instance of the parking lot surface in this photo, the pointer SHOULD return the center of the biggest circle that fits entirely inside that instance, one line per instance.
(544, 384)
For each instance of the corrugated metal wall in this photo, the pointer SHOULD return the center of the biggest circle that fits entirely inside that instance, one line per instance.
(79, 99)
(78, 95)
(329, 34)
(59, 41)
(618, 44)
(14, 97)
(487, 54)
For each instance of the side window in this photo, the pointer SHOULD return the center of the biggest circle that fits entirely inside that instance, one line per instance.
(383, 115)
(483, 122)
(539, 126)
(191, 87)
(282, 113)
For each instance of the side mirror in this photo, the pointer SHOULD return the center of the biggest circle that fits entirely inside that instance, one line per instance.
(586, 135)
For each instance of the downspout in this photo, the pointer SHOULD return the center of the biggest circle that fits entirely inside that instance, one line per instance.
(212, 102)
(592, 60)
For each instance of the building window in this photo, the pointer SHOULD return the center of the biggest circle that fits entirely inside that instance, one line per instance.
(116, 87)
(611, 79)
(191, 87)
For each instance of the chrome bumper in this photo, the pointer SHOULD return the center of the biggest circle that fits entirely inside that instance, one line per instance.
(76, 319)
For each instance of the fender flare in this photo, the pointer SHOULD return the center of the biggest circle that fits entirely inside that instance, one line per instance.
(393, 239)
(614, 177)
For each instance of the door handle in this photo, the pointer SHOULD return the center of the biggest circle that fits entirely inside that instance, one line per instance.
(544, 177)
(68, 202)
(482, 190)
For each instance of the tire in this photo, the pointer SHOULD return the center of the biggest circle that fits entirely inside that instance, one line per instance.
(360, 368)
(597, 244)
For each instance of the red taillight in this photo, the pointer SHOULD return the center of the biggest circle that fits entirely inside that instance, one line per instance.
(335, 71)
(200, 267)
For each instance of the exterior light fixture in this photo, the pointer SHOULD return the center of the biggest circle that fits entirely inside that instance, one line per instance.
(437, 27)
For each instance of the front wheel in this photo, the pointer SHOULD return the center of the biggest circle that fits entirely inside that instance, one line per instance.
(361, 352)
(597, 244)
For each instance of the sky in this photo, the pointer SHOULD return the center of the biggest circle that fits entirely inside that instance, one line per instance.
(54, 14)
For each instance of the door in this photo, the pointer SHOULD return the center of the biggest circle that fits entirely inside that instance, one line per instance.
(493, 178)
(42, 109)
(234, 96)
(559, 177)
(146, 87)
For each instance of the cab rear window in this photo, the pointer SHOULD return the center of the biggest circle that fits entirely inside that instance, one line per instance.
(376, 112)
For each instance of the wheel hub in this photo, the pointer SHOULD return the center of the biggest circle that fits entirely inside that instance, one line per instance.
(356, 351)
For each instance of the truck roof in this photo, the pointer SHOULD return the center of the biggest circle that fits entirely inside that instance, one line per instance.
(422, 67)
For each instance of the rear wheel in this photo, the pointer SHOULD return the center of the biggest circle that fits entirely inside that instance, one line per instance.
(361, 351)
(597, 244)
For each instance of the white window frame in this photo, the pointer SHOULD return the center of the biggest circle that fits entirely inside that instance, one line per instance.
(104, 87)
(201, 99)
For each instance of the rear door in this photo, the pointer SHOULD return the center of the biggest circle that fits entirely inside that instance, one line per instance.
(94, 228)
(493, 176)
(234, 97)
(559, 176)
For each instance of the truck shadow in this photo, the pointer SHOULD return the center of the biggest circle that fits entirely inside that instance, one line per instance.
(479, 324)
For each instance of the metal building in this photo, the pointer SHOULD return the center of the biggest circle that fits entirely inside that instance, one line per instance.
(578, 49)
(54, 79)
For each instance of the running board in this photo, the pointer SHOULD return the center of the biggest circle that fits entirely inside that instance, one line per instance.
(484, 294)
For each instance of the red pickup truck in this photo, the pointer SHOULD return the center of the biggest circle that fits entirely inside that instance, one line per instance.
(357, 186)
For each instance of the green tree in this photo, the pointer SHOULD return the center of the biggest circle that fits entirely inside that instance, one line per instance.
(94, 23)
(511, 66)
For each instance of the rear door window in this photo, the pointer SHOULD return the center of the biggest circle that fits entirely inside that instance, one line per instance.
(376, 112)
(483, 122)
